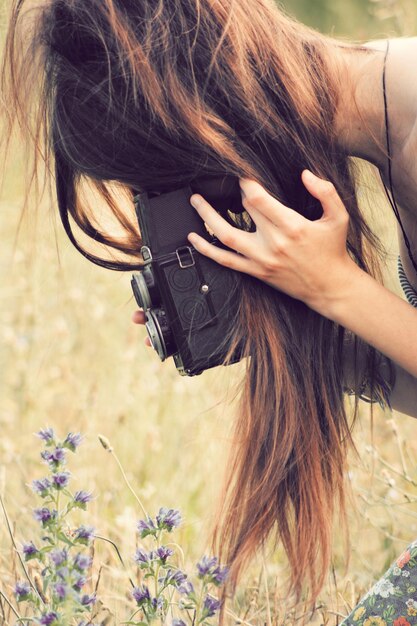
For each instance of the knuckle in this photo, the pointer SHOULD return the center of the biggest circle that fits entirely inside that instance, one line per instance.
(277, 247)
(269, 265)
(228, 262)
(344, 217)
(296, 231)
(245, 202)
(329, 190)
(201, 245)
(253, 198)
(229, 239)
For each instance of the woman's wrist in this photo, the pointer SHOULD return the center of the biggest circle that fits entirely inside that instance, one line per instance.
(335, 300)
(376, 315)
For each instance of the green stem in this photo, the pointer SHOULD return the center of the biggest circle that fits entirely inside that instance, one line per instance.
(9, 528)
(117, 551)
(180, 550)
(57, 523)
(125, 478)
(157, 568)
(10, 604)
(133, 614)
(198, 606)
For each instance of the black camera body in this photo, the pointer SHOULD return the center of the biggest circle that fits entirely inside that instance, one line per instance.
(188, 299)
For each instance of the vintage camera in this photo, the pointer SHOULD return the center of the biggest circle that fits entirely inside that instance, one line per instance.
(189, 300)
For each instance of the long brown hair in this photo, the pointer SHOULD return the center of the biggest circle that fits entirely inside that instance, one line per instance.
(151, 95)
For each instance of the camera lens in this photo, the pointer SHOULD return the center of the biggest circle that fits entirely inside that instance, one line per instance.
(141, 291)
(160, 333)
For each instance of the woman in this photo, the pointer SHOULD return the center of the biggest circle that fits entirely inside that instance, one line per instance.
(154, 95)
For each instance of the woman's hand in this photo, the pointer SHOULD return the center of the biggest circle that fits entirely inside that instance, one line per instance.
(138, 317)
(309, 261)
(306, 259)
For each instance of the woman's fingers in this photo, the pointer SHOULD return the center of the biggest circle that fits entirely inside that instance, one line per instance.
(326, 193)
(226, 258)
(256, 197)
(230, 236)
(139, 317)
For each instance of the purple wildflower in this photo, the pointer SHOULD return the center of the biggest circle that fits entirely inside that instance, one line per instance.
(58, 557)
(79, 583)
(45, 516)
(186, 588)
(22, 590)
(58, 455)
(48, 619)
(211, 605)
(54, 458)
(72, 441)
(219, 575)
(30, 551)
(60, 590)
(178, 578)
(62, 573)
(147, 527)
(209, 568)
(81, 498)
(141, 594)
(88, 600)
(177, 622)
(46, 455)
(60, 480)
(172, 577)
(46, 434)
(41, 486)
(142, 558)
(206, 565)
(81, 562)
(162, 554)
(158, 603)
(168, 519)
(84, 534)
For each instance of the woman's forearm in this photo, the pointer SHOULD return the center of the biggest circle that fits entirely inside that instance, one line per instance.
(309, 261)
(375, 314)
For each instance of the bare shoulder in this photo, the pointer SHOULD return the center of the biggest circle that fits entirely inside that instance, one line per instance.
(404, 47)
(401, 84)
(401, 87)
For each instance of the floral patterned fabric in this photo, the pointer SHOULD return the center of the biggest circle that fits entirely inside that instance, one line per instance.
(392, 601)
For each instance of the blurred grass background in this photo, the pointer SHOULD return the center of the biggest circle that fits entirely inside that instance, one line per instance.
(70, 358)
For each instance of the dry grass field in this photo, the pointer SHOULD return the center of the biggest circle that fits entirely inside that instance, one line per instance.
(70, 358)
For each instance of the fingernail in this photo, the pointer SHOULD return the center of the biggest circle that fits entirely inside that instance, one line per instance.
(309, 175)
(195, 201)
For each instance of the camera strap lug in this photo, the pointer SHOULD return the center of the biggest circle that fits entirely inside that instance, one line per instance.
(189, 260)
(146, 254)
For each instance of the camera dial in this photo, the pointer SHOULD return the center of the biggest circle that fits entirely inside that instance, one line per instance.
(144, 288)
(159, 333)
(141, 291)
